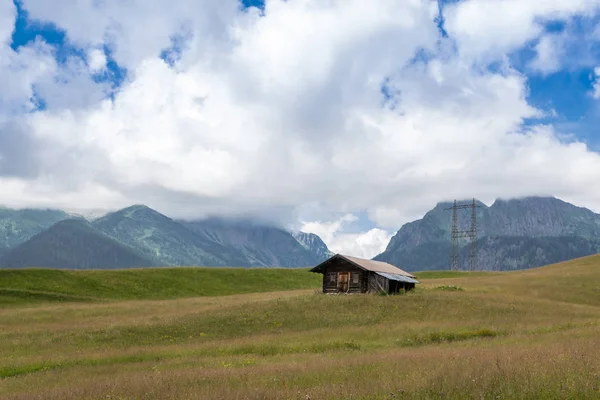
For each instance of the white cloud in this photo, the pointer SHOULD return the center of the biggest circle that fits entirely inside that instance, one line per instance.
(262, 114)
(549, 53)
(8, 13)
(96, 60)
(136, 30)
(572, 47)
(22, 70)
(487, 29)
(328, 230)
(366, 245)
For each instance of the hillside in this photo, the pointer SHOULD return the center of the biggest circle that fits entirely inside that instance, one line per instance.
(260, 245)
(165, 240)
(72, 244)
(18, 226)
(161, 240)
(31, 286)
(531, 334)
(514, 252)
(513, 234)
(211, 242)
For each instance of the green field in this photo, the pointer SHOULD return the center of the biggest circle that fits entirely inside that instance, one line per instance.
(268, 334)
(21, 287)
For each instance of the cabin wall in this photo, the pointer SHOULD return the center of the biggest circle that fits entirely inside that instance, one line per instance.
(378, 283)
(357, 278)
(340, 276)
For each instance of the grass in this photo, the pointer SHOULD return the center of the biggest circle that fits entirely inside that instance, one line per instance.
(31, 286)
(450, 288)
(452, 274)
(524, 335)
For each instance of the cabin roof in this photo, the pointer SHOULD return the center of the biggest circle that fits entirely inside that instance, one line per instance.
(368, 265)
(396, 277)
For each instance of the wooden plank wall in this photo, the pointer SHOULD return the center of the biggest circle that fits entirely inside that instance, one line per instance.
(377, 283)
(330, 282)
(356, 287)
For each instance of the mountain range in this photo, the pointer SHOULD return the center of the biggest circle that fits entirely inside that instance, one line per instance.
(18, 226)
(512, 234)
(139, 236)
(74, 243)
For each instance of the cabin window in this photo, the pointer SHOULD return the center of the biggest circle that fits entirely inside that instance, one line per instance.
(332, 277)
(355, 277)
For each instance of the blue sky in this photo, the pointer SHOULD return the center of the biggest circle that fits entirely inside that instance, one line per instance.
(323, 114)
(567, 91)
(253, 3)
(28, 30)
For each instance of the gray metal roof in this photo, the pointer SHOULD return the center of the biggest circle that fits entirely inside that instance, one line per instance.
(377, 266)
(369, 265)
(396, 277)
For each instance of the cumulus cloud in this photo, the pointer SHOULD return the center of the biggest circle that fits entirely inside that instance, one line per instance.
(549, 53)
(96, 60)
(365, 244)
(488, 29)
(8, 13)
(570, 47)
(264, 112)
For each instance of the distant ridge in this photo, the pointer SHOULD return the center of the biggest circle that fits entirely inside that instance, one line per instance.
(513, 234)
(157, 239)
(73, 244)
(18, 226)
(259, 245)
(164, 240)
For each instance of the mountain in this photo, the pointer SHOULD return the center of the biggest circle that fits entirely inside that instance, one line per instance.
(313, 243)
(260, 245)
(159, 240)
(164, 240)
(519, 252)
(514, 234)
(539, 216)
(18, 226)
(73, 244)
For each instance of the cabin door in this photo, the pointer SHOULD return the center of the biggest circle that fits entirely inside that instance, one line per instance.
(343, 281)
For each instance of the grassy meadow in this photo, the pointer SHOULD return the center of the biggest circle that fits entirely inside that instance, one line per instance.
(268, 334)
(37, 286)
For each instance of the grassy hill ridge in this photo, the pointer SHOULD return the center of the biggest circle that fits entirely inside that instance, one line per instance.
(37, 285)
(27, 285)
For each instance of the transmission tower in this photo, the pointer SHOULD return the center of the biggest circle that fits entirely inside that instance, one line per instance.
(473, 238)
(456, 234)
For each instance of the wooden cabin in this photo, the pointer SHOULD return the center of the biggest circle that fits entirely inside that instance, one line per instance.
(345, 274)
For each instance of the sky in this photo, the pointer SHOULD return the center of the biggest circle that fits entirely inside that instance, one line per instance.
(345, 118)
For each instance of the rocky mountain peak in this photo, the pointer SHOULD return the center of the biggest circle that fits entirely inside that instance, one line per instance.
(313, 243)
(425, 243)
